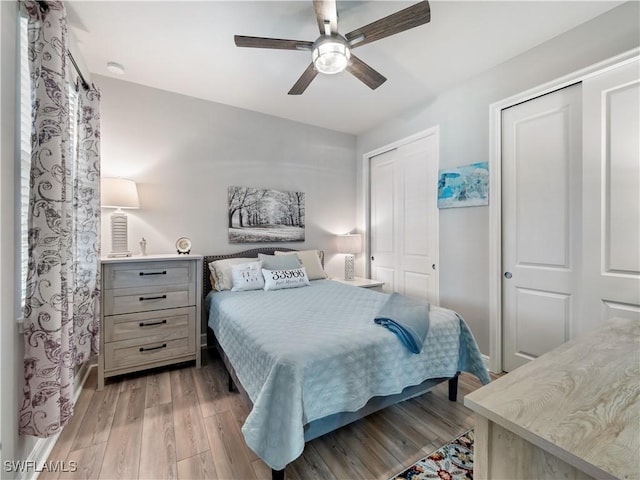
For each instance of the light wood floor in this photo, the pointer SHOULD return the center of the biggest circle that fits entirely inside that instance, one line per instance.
(183, 423)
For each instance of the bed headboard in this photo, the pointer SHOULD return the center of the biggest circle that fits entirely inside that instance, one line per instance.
(253, 253)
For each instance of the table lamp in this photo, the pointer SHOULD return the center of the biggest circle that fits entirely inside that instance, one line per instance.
(350, 244)
(119, 193)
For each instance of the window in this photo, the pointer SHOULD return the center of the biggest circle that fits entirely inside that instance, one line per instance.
(25, 148)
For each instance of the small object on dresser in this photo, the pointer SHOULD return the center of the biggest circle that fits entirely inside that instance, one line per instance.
(143, 247)
(183, 245)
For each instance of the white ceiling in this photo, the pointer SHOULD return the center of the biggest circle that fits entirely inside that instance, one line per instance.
(188, 48)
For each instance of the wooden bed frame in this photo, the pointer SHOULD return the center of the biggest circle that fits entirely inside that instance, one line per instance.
(330, 423)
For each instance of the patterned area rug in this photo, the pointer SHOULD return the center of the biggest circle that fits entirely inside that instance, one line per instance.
(454, 461)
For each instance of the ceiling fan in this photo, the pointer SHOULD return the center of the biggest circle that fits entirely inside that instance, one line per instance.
(331, 52)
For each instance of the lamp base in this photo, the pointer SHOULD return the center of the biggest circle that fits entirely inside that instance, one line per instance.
(119, 242)
(349, 272)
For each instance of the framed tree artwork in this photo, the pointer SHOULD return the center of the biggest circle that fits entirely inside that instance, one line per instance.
(259, 215)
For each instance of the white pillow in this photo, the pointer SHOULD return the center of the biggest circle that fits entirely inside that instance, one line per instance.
(221, 271)
(279, 279)
(310, 261)
(247, 276)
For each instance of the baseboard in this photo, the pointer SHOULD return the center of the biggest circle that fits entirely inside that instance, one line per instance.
(43, 447)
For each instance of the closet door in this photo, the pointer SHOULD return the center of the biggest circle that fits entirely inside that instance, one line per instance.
(404, 218)
(541, 215)
(384, 210)
(611, 196)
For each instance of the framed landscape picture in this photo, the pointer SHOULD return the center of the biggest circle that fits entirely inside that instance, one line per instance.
(265, 215)
(466, 186)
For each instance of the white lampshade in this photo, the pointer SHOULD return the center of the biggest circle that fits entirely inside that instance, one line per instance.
(119, 193)
(349, 243)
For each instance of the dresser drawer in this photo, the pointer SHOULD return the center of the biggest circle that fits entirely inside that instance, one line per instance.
(131, 300)
(174, 323)
(148, 274)
(128, 353)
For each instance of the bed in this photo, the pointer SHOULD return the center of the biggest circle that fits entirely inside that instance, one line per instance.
(312, 359)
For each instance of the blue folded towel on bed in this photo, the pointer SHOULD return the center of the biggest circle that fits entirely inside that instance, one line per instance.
(407, 318)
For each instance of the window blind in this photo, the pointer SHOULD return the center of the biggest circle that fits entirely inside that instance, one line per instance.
(25, 148)
(25, 154)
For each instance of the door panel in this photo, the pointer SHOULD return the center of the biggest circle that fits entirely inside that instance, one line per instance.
(383, 207)
(404, 222)
(543, 195)
(542, 321)
(417, 224)
(541, 223)
(622, 179)
(612, 196)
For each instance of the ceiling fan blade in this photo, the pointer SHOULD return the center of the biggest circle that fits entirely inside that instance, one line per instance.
(304, 80)
(365, 73)
(410, 17)
(326, 11)
(260, 42)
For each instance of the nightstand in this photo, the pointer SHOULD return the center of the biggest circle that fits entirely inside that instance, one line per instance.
(151, 309)
(362, 283)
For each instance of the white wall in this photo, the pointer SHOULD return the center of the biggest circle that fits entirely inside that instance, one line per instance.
(463, 116)
(184, 152)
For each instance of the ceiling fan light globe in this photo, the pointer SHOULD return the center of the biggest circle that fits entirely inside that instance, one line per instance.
(330, 56)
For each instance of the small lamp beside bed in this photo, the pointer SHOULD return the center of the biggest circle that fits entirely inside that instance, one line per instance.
(349, 244)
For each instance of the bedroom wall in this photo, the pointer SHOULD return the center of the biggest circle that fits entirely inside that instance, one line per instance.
(463, 116)
(184, 152)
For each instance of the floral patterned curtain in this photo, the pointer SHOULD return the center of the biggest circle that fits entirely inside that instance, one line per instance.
(61, 314)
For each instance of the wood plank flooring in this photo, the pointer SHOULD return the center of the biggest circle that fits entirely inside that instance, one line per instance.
(181, 422)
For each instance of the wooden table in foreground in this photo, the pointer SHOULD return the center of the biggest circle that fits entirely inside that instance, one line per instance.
(571, 413)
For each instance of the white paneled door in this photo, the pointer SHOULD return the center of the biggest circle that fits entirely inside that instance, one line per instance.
(541, 208)
(570, 212)
(404, 222)
(612, 196)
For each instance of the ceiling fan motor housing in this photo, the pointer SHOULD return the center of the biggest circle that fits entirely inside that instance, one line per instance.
(330, 54)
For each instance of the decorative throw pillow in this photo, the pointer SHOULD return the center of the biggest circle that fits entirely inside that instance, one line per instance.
(279, 279)
(281, 262)
(247, 276)
(221, 271)
(310, 260)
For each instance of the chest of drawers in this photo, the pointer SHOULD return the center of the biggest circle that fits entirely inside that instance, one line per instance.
(150, 313)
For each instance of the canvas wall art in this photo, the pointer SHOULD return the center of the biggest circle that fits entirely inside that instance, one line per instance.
(466, 186)
(265, 215)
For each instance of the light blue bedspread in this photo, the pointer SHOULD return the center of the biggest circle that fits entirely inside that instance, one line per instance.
(407, 319)
(305, 353)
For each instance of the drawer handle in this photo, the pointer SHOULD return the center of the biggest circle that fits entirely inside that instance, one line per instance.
(160, 297)
(164, 272)
(150, 324)
(142, 349)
